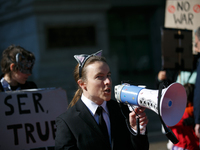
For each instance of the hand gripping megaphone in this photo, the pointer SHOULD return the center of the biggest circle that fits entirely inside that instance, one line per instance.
(169, 103)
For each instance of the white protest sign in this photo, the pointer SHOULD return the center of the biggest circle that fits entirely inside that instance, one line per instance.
(28, 118)
(182, 14)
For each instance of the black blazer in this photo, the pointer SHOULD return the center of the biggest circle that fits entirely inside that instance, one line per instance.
(78, 130)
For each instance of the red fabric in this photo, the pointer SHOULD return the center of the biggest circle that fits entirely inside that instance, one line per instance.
(185, 135)
(189, 109)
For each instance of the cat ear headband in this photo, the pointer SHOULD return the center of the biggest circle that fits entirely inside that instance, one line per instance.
(82, 58)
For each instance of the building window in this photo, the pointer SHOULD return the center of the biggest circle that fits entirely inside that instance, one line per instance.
(71, 36)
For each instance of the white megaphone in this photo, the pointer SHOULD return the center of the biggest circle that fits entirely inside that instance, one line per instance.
(172, 103)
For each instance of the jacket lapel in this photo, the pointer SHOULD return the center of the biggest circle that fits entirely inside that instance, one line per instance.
(85, 114)
(113, 112)
(87, 117)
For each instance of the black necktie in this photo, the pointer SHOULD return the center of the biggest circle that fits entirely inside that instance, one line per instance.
(102, 123)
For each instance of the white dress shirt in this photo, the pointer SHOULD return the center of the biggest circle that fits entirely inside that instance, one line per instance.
(92, 106)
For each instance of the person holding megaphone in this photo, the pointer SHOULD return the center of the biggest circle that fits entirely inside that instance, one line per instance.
(93, 121)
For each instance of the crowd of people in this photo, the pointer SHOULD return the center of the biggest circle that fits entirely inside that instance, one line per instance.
(93, 120)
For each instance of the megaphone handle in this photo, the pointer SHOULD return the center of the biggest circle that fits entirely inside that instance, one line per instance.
(128, 124)
(170, 135)
(138, 127)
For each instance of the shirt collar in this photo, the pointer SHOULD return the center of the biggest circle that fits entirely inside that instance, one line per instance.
(92, 106)
(6, 86)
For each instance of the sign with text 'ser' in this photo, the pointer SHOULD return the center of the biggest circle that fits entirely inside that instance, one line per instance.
(28, 118)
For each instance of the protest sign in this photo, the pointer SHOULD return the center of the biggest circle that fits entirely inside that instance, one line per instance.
(183, 14)
(28, 118)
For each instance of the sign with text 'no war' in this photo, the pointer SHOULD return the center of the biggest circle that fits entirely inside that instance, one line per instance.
(28, 118)
(183, 14)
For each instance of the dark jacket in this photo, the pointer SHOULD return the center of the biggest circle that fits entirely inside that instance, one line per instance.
(78, 130)
(27, 85)
(196, 101)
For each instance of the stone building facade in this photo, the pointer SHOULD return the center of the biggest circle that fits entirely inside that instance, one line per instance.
(128, 32)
